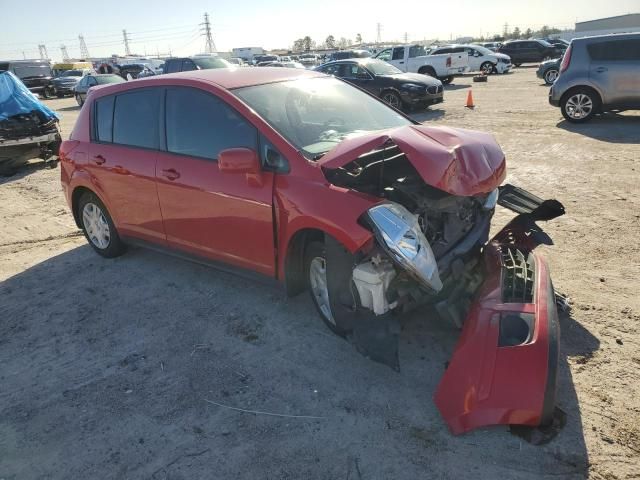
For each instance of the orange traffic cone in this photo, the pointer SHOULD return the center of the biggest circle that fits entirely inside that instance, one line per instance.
(469, 103)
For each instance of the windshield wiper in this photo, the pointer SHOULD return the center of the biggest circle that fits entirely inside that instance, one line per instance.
(318, 156)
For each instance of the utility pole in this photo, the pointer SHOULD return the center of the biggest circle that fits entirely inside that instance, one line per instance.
(378, 31)
(209, 46)
(65, 54)
(43, 52)
(406, 37)
(505, 32)
(84, 51)
(126, 38)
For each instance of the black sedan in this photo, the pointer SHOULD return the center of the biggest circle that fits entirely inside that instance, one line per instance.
(398, 89)
(88, 81)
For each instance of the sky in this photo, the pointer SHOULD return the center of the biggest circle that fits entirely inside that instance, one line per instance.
(168, 26)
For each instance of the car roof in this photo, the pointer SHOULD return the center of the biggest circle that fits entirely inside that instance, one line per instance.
(228, 78)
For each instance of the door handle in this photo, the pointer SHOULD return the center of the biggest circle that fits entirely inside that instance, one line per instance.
(171, 174)
(400, 62)
(99, 159)
(601, 69)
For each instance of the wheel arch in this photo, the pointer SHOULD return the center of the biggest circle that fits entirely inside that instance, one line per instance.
(571, 90)
(77, 193)
(427, 70)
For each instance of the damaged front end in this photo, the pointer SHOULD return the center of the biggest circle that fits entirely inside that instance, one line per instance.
(438, 191)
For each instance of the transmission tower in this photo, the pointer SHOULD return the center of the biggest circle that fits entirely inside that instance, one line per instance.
(209, 46)
(126, 38)
(43, 52)
(406, 37)
(84, 51)
(65, 55)
(378, 30)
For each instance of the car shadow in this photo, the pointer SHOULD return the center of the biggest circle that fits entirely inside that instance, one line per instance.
(609, 127)
(68, 109)
(122, 354)
(32, 166)
(454, 86)
(428, 114)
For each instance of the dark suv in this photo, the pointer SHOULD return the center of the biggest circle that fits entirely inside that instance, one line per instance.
(529, 51)
(598, 74)
(35, 74)
(174, 65)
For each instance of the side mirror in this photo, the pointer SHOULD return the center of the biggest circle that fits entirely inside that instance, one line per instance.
(239, 160)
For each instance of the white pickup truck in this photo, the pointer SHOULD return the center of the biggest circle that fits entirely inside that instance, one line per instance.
(414, 59)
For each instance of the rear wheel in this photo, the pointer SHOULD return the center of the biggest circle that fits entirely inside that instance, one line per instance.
(550, 76)
(447, 80)
(98, 227)
(392, 98)
(579, 105)
(517, 64)
(428, 71)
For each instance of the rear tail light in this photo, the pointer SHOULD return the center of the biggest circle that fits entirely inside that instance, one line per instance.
(566, 60)
(448, 62)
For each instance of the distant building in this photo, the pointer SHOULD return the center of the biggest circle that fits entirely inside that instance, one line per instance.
(604, 26)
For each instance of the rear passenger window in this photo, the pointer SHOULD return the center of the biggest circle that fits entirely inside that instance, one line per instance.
(200, 125)
(173, 66)
(135, 119)
(618, 50)
(104, 119)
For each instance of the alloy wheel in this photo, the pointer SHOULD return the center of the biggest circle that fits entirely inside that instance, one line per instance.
(96, 226)
(551, 76)
(392, 99)
(319, 289)
(579, 106)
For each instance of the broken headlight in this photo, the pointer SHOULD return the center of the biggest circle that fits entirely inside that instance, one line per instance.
(399, 233)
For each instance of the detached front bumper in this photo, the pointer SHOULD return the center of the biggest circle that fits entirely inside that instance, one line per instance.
(504, 367)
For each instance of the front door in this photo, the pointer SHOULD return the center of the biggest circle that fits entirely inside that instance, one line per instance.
(397, 58)
(122, 159)
(221, 216)
(354, 73)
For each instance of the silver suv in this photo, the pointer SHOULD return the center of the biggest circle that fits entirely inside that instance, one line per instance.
(598, 74)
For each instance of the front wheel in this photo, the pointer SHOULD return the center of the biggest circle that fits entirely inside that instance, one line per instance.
(517, 64)
(48, 92)
(79, 99)
(315, 261)
(579, 106)
(98, 227)
(392, 98)
(487, 68)
(447, 80)
(550, 76)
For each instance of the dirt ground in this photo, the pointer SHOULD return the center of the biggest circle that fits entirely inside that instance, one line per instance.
(110, 368)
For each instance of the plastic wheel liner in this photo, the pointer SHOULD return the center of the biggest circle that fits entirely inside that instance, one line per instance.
(504, 367)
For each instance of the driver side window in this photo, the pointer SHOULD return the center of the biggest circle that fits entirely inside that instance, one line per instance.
(385, 55)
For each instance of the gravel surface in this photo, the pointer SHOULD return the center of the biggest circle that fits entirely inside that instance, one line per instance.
(128, 368)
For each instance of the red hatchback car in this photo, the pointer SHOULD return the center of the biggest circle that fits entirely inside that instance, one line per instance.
(308, 180)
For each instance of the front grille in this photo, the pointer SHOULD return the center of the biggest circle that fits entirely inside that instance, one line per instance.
(518, 275)
(434, 89)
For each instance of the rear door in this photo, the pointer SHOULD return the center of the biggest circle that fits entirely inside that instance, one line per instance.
(459, 59)
(615, 69)
(221, 216)
(122, 158)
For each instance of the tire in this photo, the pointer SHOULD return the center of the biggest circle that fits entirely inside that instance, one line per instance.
(60, 95)
(98, 227)
(79, 100)
(517, 64)
(447, 80)
(48, 92)
(487, 68)
(579, 105)
(550, 76)
(314, 258)
(392, 98)
(428, 71)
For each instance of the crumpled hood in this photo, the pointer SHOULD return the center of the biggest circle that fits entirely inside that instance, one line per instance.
(457, 161)
(502, 55)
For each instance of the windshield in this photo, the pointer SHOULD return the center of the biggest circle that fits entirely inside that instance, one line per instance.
(72, 73)
(316, 114)
(211, 62)
(103, 80)
(545, 43)
(482, 50)
(378, 67)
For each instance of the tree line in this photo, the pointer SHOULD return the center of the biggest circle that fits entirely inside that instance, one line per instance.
(306, 44)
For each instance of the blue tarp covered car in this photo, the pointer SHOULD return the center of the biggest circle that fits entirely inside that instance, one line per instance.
(28, 129)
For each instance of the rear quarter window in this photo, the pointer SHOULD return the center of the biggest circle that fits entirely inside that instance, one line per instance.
(615, 50)
(136, 118)
(103, 118)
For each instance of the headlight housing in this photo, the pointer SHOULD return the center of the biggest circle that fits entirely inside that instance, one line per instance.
(399, 233)
(413, 87)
